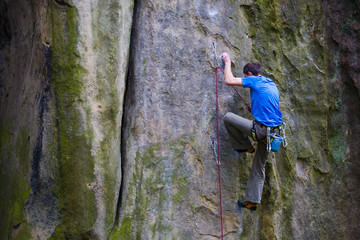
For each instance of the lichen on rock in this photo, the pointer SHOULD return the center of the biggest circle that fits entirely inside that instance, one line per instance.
(108, 119)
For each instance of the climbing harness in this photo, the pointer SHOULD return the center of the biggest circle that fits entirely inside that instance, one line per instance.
(273, 136)
(274, 140)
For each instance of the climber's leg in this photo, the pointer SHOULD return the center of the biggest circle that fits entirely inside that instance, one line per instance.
(256, 179)
(239, 130)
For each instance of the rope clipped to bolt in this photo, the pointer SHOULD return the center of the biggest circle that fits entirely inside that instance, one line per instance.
(217, 153)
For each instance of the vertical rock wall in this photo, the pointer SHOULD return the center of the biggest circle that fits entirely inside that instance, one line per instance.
(62, 88)
(78, 161)
(170, 183)
(24, 82)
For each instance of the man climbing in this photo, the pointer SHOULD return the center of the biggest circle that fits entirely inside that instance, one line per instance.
(265, 110)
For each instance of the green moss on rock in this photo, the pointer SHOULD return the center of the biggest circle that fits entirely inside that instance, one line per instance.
(123, 232)
(76, 165)
(158, 180)
(182, 187)
(287, 41)
(14, 183)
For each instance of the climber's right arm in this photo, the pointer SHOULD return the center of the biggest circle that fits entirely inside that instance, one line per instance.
(230, 80)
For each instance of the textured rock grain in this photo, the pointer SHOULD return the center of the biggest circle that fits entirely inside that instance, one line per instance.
(171, 102)
(62, 88)
(78, 161)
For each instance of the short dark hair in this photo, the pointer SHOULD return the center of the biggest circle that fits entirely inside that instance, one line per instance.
(252, 67)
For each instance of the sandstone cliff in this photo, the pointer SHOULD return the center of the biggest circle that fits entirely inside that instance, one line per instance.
(107, 116)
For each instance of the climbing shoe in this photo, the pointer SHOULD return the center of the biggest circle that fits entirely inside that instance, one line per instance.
(250, 150)
(248, 205)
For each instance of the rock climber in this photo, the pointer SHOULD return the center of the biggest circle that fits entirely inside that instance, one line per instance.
(265, 110)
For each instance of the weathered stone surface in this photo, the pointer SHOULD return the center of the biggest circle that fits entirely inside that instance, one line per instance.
(170, 183)
(62, 88)
(79, 162)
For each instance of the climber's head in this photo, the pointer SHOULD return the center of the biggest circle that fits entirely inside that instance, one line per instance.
(252, 69)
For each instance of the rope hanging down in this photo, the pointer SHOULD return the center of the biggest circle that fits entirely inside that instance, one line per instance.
(217, 153)
(218, 148)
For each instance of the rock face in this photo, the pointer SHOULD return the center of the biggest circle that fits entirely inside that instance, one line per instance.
(107, 132)
(62, 88)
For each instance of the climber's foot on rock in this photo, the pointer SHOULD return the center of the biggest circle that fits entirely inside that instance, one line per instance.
(250, 150)
(248, 205)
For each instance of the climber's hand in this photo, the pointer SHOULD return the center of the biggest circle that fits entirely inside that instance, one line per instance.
(226, 57)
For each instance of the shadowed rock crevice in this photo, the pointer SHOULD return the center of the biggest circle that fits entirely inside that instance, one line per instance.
(343, 34)
(42, 205)
(43, 109)
(5, 40)
(63, 4)
(97, 144)
(127, 106)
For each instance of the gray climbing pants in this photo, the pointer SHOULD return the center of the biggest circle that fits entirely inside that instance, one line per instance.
(239, 131)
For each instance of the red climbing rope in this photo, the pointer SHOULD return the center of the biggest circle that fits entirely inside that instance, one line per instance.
(218, 141)
(218, 147)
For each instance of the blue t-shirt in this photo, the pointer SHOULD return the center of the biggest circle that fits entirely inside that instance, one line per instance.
(264, 100)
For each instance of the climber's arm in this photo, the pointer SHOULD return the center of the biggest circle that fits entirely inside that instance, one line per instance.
(230, 80)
